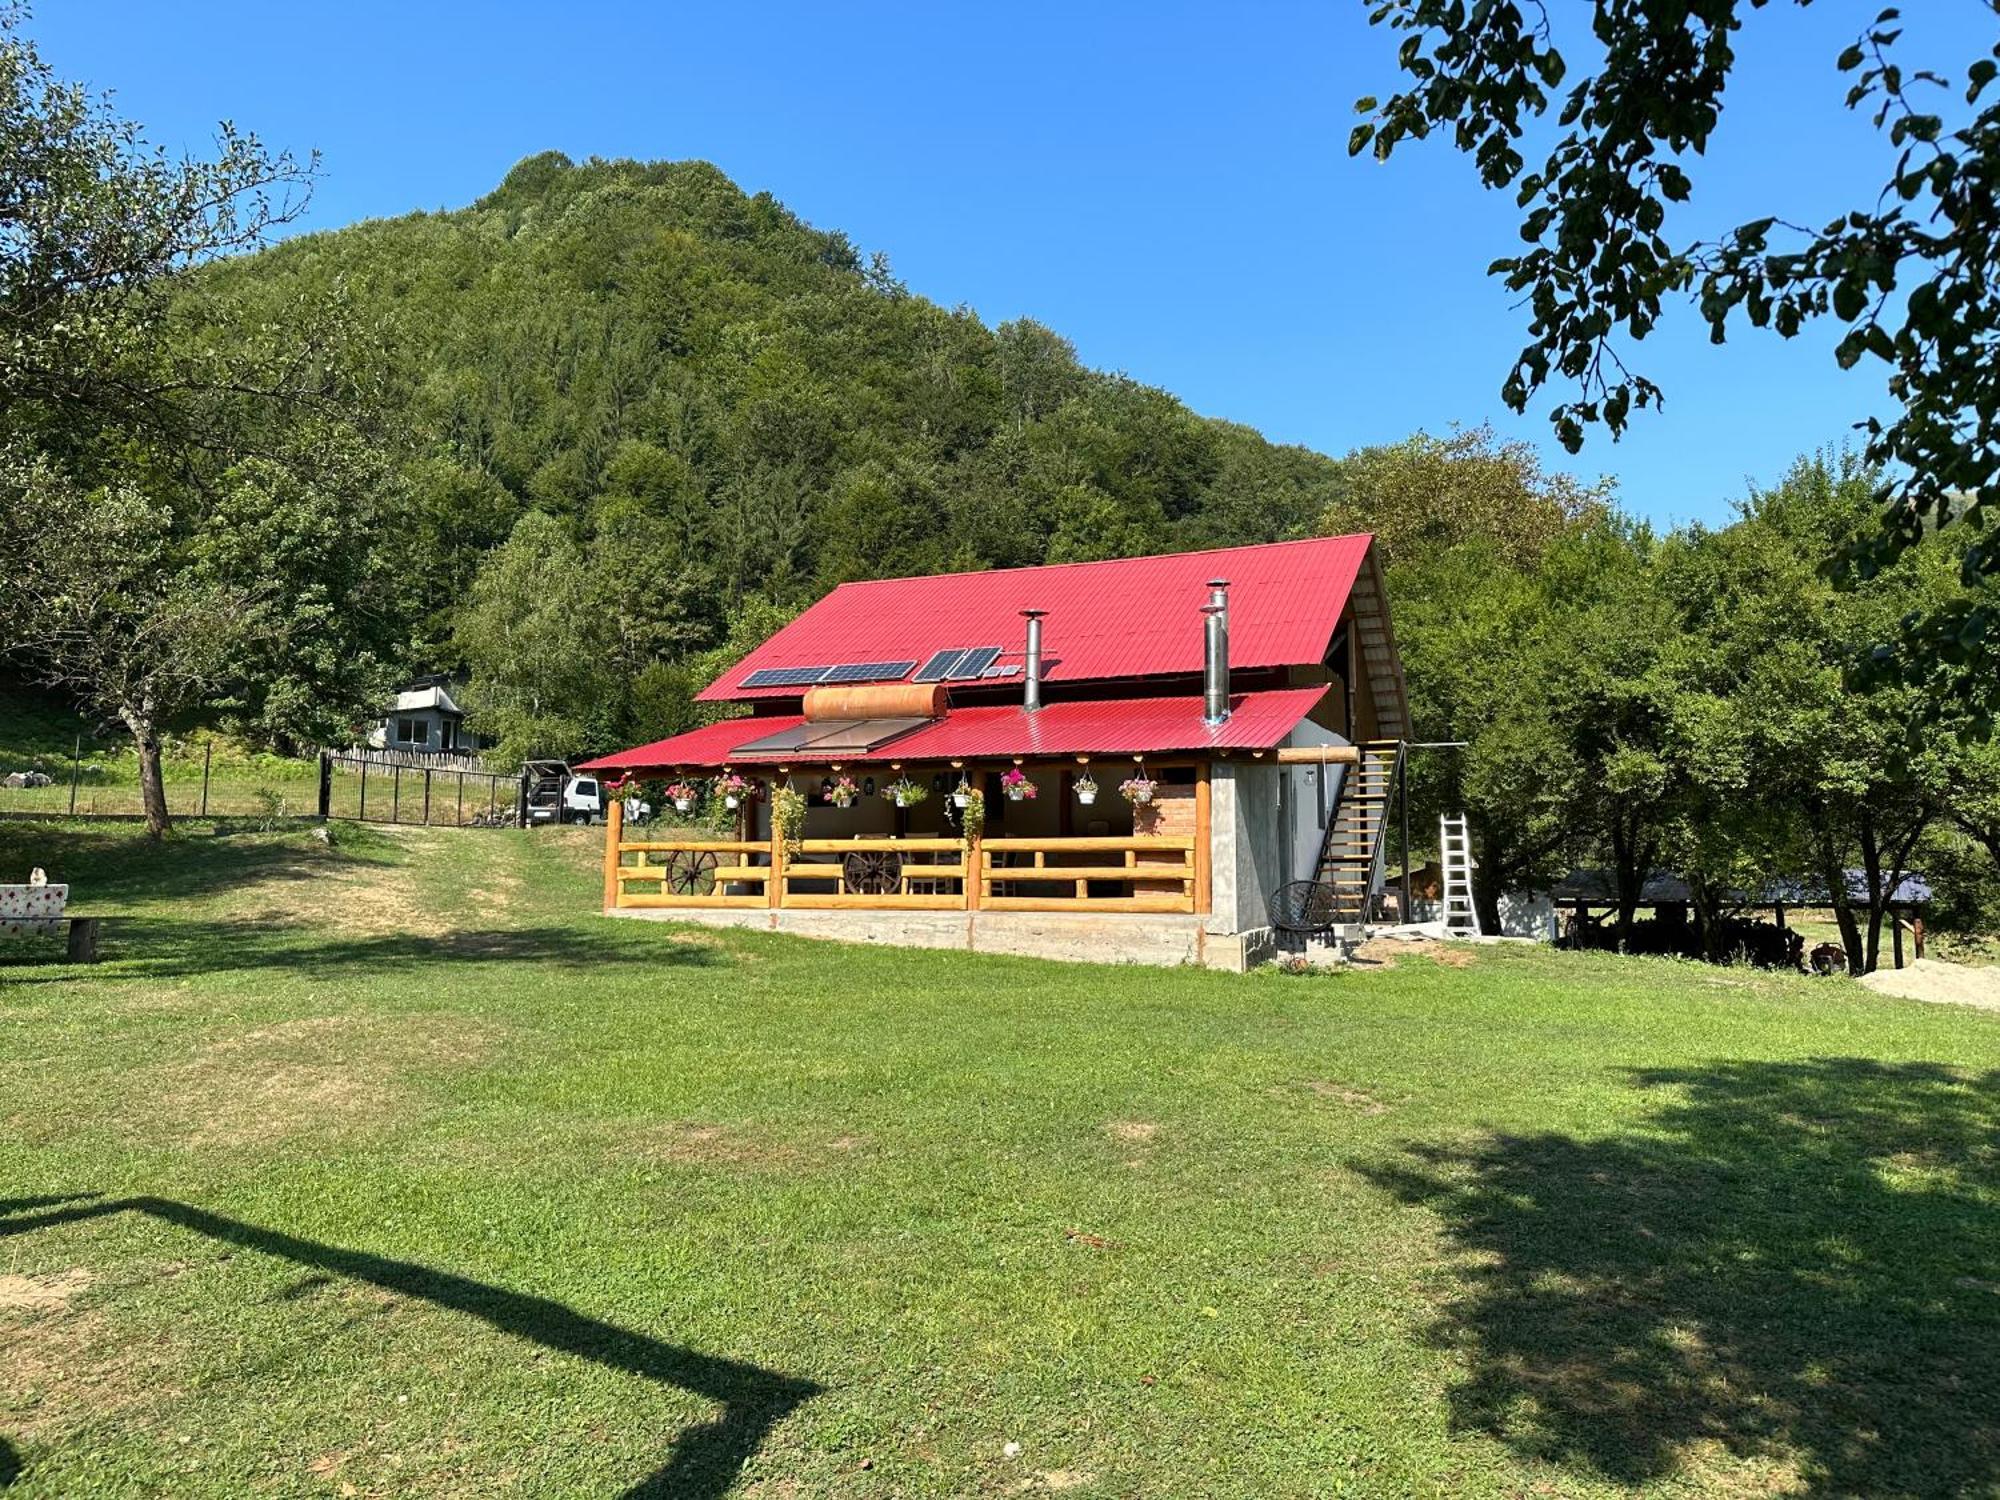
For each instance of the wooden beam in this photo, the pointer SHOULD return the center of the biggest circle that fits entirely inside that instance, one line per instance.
(668, 899)
(1092, 845)
(1090, 903)
(1203, 848)
(1058, 874)
(614, 825)
(691, 846)
(1319, 755)
(774, 888)
(854, 901)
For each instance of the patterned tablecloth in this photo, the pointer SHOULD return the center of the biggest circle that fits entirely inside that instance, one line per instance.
(32, 910)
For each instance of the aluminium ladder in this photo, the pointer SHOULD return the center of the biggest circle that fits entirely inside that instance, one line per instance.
(1461, 917)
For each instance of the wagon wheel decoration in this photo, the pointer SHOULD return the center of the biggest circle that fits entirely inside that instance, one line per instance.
(873, 872)
(688, 872)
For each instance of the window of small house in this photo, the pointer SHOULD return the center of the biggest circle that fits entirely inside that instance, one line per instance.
(412, 732)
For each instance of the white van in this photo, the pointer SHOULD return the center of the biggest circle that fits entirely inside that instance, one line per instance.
(557, 795)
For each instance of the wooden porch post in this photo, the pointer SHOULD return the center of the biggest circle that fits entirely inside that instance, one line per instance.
(774, 888)
(614, 831)
(1204, 893)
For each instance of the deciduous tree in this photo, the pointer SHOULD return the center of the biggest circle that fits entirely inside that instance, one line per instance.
(1911, 275)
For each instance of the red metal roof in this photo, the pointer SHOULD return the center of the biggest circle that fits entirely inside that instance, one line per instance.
(1105, 726)
(1130, 617)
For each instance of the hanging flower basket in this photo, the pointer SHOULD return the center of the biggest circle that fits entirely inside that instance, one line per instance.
(1086, 789)
(1017, 786)
(961, 796)
(1139, 790)
(736, 790)
(788, 817)
(842, 791)
(905, 792)
(683, 794)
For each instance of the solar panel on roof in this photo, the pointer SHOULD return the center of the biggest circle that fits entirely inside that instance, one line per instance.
(973, 663)
(939, 666)
(831, 737)
(1005, 669)
(785, 676)
(868, 671)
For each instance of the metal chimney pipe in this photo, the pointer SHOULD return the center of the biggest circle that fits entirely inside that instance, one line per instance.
(1031, 671)
(1215, 654)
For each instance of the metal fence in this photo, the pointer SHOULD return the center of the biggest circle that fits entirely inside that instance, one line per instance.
(90, 786)
(360, 788)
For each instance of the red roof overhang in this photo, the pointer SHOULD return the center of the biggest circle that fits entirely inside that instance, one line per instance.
(1118, 726)
(1126, 618)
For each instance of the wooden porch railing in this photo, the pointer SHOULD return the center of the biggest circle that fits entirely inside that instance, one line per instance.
(1071, 874)
(1140, 874)
(892, 874)
(691, 872)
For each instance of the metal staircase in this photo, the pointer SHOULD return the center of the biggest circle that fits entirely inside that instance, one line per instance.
(1350, 858)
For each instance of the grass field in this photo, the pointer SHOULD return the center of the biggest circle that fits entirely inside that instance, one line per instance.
(391, 1169)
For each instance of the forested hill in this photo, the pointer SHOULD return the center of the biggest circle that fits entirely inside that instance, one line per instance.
(765, 413)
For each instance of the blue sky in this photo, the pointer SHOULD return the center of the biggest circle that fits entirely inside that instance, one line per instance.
(1165, 184)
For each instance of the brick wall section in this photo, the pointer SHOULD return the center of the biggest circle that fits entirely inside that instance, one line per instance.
(1171, 815)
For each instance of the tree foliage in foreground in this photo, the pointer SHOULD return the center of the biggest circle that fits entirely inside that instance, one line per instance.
(1911, 275)
(1637, 702)
(187, 503)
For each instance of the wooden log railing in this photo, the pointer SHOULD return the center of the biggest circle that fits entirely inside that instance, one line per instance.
(691, 872)
(929, 874)
(1149, 874)
(1057, 874)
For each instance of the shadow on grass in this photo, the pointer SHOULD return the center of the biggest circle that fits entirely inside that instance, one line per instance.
(1799, 1262)
(706, 1460)
(145, 949)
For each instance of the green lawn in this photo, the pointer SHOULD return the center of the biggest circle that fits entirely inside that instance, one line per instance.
(393, 1170)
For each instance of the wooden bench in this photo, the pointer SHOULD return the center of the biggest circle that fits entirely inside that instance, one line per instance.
(42, 911)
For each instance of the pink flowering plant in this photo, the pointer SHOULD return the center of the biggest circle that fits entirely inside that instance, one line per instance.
(1017, 786)
(1138, 790)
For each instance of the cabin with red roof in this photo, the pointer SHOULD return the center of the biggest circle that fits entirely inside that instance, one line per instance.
(1171, 759)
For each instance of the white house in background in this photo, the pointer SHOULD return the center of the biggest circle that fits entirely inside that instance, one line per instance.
(425, 719)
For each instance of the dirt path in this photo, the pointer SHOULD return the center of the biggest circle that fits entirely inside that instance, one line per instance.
(1946, 984)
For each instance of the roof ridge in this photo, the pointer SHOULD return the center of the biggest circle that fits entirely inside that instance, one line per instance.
(1101, 562)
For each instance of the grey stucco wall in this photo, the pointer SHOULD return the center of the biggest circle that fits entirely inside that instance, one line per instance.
(1246, 853)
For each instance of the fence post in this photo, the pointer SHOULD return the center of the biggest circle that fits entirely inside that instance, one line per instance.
(521, 800)
(396, 796)
(75, 766)
(461, 799)
(362, 816)
(325, 785)
(207, 755)
(427, 796)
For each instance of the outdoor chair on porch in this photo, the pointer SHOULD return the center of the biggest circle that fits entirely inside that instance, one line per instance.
(1306, 909)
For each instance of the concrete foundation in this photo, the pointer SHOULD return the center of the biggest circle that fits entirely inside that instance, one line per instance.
(1086, 937)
